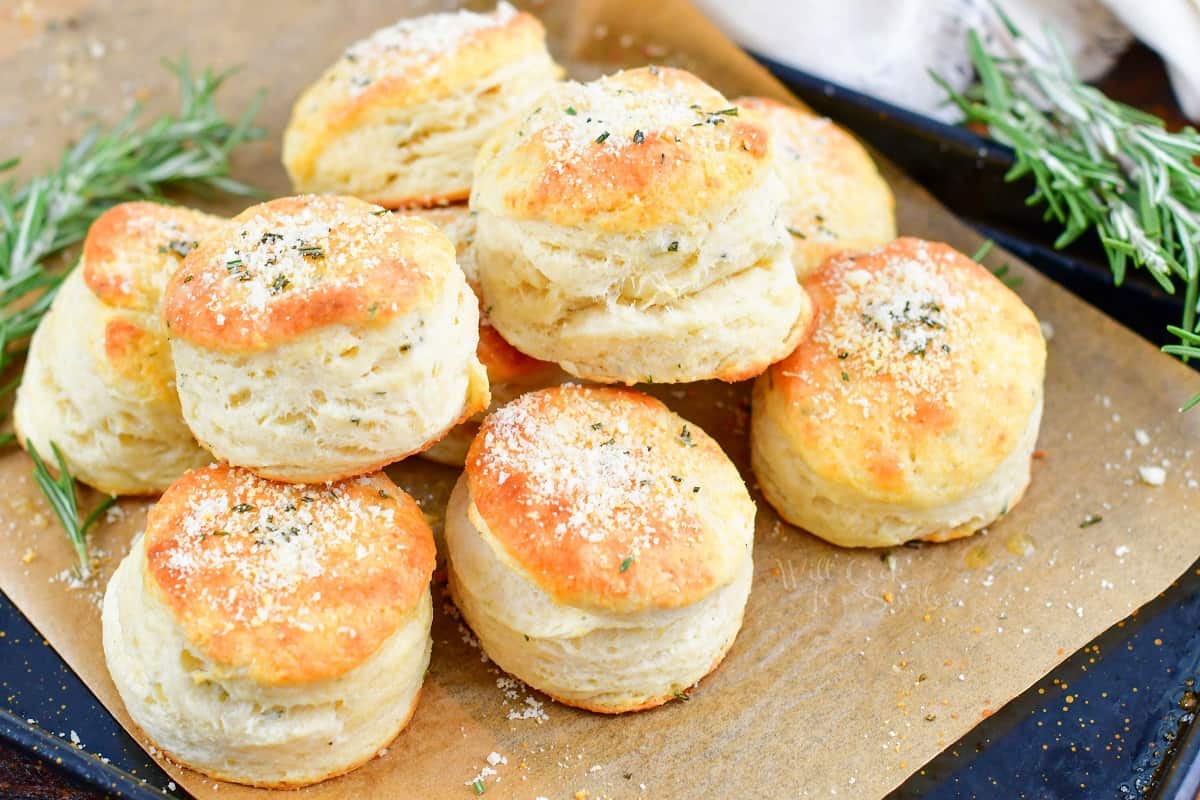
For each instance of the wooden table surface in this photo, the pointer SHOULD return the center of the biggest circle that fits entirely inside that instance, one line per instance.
(1138, 79)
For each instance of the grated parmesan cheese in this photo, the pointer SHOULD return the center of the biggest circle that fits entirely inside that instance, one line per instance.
(416, 43)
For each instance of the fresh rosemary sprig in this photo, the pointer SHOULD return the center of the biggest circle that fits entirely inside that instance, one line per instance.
(1097, 165)
(188, 149)
(60, 492)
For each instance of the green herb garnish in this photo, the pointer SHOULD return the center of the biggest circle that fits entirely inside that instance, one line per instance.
(571, 111)
(60, 492)
(280, 284)
(242, 508)
(685, 437)
(179, 247)
(625, 564)
(600, 139)
(478, 786)
(673, 247)
(1090, 520)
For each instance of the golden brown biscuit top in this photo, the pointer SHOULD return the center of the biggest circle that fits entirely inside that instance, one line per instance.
(285, 267)
(923, 365)
(608, 500)
(418, 48)
(289, 583)
(132, 249)
(631, 151)
(412, 62)
(836, 195)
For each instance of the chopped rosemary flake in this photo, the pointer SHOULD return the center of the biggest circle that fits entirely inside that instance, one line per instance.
(280, 284)
(677, 478)
(625, 564)
(638, 137)
(726, 112)
(188, 278)
(597, 426)
(673, 247)
(798, 234)
(695, 490)
(311, 251)
(571, 111)
(233, 262)
(611, 440)
(179, 247)
(242, 508)
(600, 139)
(220, 532)
(845, 376)
(1090, 520)
(380, 212)
(478, 786)
(384, 495)
(685, 437)
(682, 696)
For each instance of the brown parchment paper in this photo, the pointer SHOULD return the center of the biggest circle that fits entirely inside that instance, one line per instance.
(854, 668)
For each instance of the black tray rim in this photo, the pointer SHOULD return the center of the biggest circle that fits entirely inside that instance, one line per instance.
(64, 757)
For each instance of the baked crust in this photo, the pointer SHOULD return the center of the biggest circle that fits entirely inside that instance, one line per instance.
(287, 583)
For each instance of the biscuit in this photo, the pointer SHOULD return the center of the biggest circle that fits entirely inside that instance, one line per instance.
(510, 372)
(399, 117)
(913, 410)
(631, 230)
(272, 634)
(98, 381)
(319, 337)
(599, 546)
(837, 199)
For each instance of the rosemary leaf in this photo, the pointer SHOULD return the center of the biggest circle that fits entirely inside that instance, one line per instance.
(60, 492)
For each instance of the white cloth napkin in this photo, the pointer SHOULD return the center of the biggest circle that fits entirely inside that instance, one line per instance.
(888, 47)
(1172, 27)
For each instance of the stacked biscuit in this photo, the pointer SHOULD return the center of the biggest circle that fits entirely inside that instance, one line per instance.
(271, 627)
